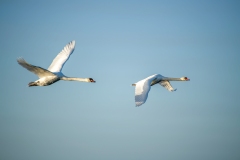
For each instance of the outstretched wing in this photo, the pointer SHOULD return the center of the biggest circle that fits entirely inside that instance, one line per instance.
(167, 85)
(142, 89)
(40, 72)
(59, 61)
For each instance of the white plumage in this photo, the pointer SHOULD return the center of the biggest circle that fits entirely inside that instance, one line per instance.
(59, 61)
(143, 86)
(54, 72)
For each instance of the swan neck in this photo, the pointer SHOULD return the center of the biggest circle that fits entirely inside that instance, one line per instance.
(74, 79)
(171, 79)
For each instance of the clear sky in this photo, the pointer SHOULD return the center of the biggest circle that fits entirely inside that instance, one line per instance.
(119, 43)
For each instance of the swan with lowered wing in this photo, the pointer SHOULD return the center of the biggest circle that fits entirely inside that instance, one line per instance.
(142, 87)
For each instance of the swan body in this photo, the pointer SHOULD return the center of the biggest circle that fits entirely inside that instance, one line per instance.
(143, 86)
(54, 72)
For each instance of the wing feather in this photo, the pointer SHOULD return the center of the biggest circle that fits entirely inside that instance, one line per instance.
(59, 61)
(166, 84)
(40, 72)
(142, 89)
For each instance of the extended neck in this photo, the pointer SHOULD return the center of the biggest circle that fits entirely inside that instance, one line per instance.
(171, 79)
(74, 79)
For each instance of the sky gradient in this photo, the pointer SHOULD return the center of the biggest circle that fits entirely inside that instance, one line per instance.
(119, 43)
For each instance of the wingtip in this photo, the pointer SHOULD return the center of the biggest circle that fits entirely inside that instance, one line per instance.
(173, 90)
(138, 104)
(20, 59)
(73, 42)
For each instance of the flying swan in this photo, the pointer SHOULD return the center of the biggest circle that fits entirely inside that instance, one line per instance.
(53, 73)
(143, 87)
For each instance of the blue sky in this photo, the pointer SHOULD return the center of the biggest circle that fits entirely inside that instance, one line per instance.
(119, 43)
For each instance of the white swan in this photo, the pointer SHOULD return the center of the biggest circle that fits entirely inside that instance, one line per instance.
(53, 73)
(144, 86)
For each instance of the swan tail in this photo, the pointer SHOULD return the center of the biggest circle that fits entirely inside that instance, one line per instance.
(32, 84)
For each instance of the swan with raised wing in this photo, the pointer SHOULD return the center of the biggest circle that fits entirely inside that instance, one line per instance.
(54, 72)
(143, 86)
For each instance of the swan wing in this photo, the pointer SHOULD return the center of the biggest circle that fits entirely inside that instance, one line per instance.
(59, 61)
(40, 72)
(142, 89)
(167, 85)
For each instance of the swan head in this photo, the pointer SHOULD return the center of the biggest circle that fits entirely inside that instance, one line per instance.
(185, 79)
(91, 80)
